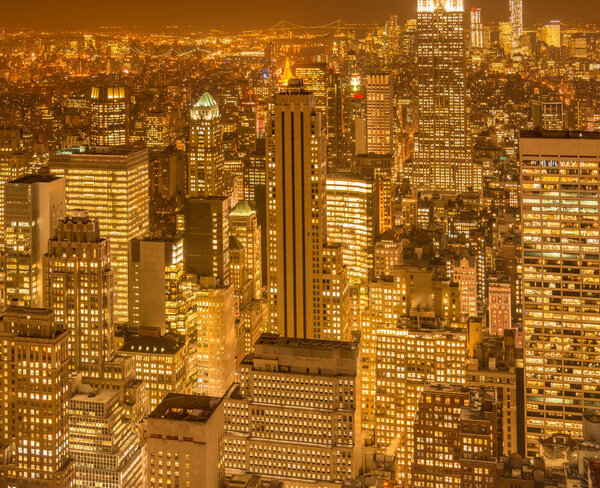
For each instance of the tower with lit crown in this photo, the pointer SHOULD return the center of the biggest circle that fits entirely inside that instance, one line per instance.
(206, 155)
(110, 116)
(443, 159)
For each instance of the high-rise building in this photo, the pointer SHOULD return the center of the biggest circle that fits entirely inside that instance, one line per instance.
(33, 205)
(184, 442)
(79, 288)
(157, 130)
(380, 114)
(498, 364)
(408, 358)
(350, 222)
(156, 273)
(160, 362)
(34, 394)
(455, 438)
(561, 292)
(13, 165)
(103, 442)
(206, 238)
(551, 34)
(216, 339)
(243, 225)
(206, 153)
(547, 115)
(109, 106)
(464, 272)
(296, 169)
(499, 305)
(111, 185)
(442, 159)
(476, 29)
(516, 21)
(296, 413)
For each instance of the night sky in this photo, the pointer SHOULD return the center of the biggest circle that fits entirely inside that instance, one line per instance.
(241, 14)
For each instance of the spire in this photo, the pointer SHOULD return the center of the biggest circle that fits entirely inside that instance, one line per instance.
(287, 75)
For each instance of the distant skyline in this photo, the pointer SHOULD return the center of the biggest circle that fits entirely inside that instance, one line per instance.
(236, 15)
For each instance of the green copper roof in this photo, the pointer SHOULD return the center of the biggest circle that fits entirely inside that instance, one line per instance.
(242, 209)
(206, 100)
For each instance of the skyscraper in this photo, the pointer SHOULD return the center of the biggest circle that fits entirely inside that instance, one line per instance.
(34, 203)
(243, 225)
(551, 34)
(156, 271)
(34, 394)
(216, 340)
(442, 159)
(111, 185)
(476, 29)
(206, 238)
(380, 114)
(296, 212)
(79, 288)
(516, 21)
(110, 116)
(295, 413)
(184, 442)
(206, 154)
(561, 288)
(103, 442)
(351, 222)
(13, 165)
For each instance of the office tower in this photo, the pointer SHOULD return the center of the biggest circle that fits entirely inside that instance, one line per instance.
(547, 115)
(78, 282)
(111, 185)
(387, 254)
(499, 305)
(296, 212)
(33, 205)
(505, 37)
(464, 272)
(156, 274)
(551, 34)
(382, 169)
(333, 323)
(254, 172)
(216, 340)
(442, 159)
(350, 222)
(160, 362)
(247, 126)
(497, 364)
(308, 435)
(103, 442)
(109, 107)
(243, 225)
(476, 29)
(561, 297)
(516, 21)
(13, 165)
(184, 442)
(205, 153)
(157, 130)
(455, 441)
(206, 238)
(380, 114)
(34, 393)
(410, 356)
(409, 291)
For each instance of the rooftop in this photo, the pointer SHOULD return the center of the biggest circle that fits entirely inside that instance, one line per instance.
(277, 340)
(169, 343)
(558, 134)
(206, 101)
(242, 209)
(100, 150)
(37, 178)
(185, 408)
